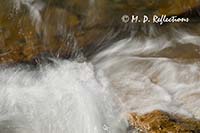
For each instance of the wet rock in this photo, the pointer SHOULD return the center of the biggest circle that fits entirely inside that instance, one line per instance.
(69, 22)
(168, 7)
(162, 122)
(19, 40)
(176, 7)
(186, 51)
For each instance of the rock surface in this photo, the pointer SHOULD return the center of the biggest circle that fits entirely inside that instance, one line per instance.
(71, 24)
(162, 122)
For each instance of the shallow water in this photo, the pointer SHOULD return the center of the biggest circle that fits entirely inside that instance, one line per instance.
(153, 68)
(146, 80)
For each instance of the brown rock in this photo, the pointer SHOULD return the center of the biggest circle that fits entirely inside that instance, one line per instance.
(175, 7)
(168, 7)
(65, 22)
(162, 122)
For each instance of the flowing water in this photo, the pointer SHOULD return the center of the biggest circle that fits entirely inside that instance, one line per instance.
(145, 80)
(136, 74)
(68, 97)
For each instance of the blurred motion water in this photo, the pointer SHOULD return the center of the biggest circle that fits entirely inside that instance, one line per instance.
(112, 68)
(68, 97)
(146, 79)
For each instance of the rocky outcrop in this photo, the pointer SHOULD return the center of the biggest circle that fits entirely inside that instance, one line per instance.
(162, 122)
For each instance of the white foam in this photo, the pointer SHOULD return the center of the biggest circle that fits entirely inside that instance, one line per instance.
(66, 98)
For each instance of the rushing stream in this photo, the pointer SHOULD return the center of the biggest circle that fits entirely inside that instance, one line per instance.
(66, 98)
(146, 80)
(135, 74)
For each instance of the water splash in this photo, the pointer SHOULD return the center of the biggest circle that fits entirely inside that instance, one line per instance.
(66, 99)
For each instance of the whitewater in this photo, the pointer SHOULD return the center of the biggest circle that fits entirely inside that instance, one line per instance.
(95, 96)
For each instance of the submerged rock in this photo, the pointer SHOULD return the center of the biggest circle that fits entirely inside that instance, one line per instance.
(69, 26)
(162, 122)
